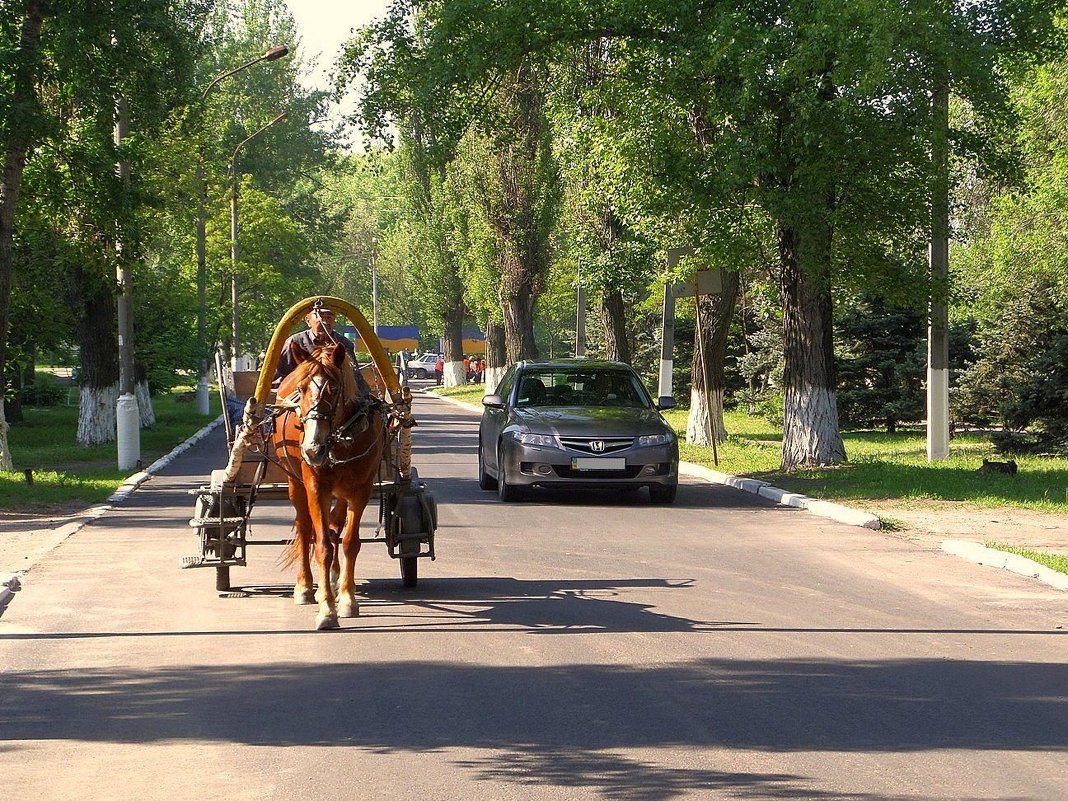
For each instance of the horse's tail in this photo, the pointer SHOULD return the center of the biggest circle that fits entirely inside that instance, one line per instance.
(291, 553)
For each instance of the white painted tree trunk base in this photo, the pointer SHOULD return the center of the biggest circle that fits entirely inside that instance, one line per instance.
(96, 415)
(493, 378)
(6, 462)
(454, 374)
(144, 405)
(697, 422)
(811, 437)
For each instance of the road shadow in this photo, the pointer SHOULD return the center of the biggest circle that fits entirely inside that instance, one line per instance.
(537, 714)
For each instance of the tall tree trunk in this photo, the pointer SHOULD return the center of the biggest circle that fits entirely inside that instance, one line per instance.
(93, 306)
(518, 311)
(496, 356)
(453, 335)
(144, 397)
(16, 148)
(613, 316)
(716, 314)
(811, 435)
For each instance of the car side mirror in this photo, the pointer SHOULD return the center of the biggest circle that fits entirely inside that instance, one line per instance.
(493, 401)
(665, 402)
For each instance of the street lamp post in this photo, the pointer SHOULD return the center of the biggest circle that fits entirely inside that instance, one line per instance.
(235, 325)
(275, 53)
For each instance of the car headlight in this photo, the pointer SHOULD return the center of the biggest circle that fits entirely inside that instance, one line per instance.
(653, 439)
(547, 440)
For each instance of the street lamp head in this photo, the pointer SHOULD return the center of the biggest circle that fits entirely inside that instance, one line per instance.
(276, 52)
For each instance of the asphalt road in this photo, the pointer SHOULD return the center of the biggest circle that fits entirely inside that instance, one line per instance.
(569, 647)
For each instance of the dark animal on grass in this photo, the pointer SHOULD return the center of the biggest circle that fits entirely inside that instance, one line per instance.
(989, 468)
(331, 443)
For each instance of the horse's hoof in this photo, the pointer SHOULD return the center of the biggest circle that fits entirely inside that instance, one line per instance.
(323, 622)
(304, 598)
(348, 609)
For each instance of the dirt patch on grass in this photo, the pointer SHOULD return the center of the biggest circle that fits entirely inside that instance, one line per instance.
(944, 520)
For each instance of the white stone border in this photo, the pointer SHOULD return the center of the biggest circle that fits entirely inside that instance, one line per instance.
(1014, 563)
(9, 583)
(854, 517)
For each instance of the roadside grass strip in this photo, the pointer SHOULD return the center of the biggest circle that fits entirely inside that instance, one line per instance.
(65, 473)
(883, 466)
(469, 393)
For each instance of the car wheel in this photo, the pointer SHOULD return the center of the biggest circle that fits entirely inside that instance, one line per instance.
(485, 481)
(663, 493)
(420, 373)
(505, 491)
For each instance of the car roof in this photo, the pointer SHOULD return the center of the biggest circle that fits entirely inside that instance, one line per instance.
(584, 364)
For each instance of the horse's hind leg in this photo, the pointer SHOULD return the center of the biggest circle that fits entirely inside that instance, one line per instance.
(347, 604)
(303, 594)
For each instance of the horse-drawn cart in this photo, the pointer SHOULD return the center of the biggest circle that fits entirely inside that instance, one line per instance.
(255, 472)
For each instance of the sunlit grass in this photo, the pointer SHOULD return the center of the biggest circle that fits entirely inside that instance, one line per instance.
(65, 473)
(470, 393)
(883, 466)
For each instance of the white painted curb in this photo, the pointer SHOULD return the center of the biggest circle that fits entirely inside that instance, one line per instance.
(1014, 563)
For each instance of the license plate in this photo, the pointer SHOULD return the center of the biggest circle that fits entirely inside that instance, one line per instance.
(599, 463)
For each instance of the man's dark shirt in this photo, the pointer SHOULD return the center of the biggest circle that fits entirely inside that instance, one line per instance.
(306, 340)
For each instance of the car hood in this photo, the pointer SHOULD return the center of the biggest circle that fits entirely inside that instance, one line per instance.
(572, 421)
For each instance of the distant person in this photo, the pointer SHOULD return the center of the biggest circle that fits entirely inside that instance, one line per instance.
(481, 371)
(439, 370)
(467, 369)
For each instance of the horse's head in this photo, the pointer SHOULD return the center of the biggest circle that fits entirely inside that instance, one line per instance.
(325, 385)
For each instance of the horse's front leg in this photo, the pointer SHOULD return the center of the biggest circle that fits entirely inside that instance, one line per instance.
(348, 606)
(338, 516)
(319, 507)
(303, 592)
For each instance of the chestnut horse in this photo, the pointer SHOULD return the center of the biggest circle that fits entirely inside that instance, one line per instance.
(331, 442)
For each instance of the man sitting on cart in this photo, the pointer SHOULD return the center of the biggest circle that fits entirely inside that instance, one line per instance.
(319, 334)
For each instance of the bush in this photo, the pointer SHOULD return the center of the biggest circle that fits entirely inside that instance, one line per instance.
(44, 391)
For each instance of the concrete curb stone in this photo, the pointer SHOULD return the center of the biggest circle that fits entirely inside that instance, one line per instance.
(10, 583)
(1014, 563)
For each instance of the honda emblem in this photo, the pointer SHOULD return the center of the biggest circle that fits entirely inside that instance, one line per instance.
(597, 446)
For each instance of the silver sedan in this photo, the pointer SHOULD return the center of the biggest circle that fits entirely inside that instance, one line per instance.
(576, 423)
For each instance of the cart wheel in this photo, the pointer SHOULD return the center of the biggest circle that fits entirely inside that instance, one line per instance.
(222, 578)
(409, 571)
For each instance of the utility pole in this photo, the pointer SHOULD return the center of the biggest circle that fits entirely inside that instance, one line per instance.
(937, 336)
(667, 343)
(203, 407)
(127, 414)
(580, 321)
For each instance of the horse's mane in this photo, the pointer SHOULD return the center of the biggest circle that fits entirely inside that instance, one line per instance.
(319, 362)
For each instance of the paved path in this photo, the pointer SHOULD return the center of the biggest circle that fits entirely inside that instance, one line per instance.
(573, 647)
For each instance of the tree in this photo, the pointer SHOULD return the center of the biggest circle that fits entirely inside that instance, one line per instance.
(815, 114)
(881, 363)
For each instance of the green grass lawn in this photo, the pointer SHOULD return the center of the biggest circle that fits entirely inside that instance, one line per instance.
(471, 393)
(883, 466)
(66, 475)
(1053, 561)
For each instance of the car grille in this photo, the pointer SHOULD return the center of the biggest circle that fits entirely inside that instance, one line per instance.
(583, 444)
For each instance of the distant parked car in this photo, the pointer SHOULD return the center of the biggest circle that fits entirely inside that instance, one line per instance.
(422, 366)
(576, 423)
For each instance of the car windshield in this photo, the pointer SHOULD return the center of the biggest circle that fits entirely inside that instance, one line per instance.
(581, 387)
